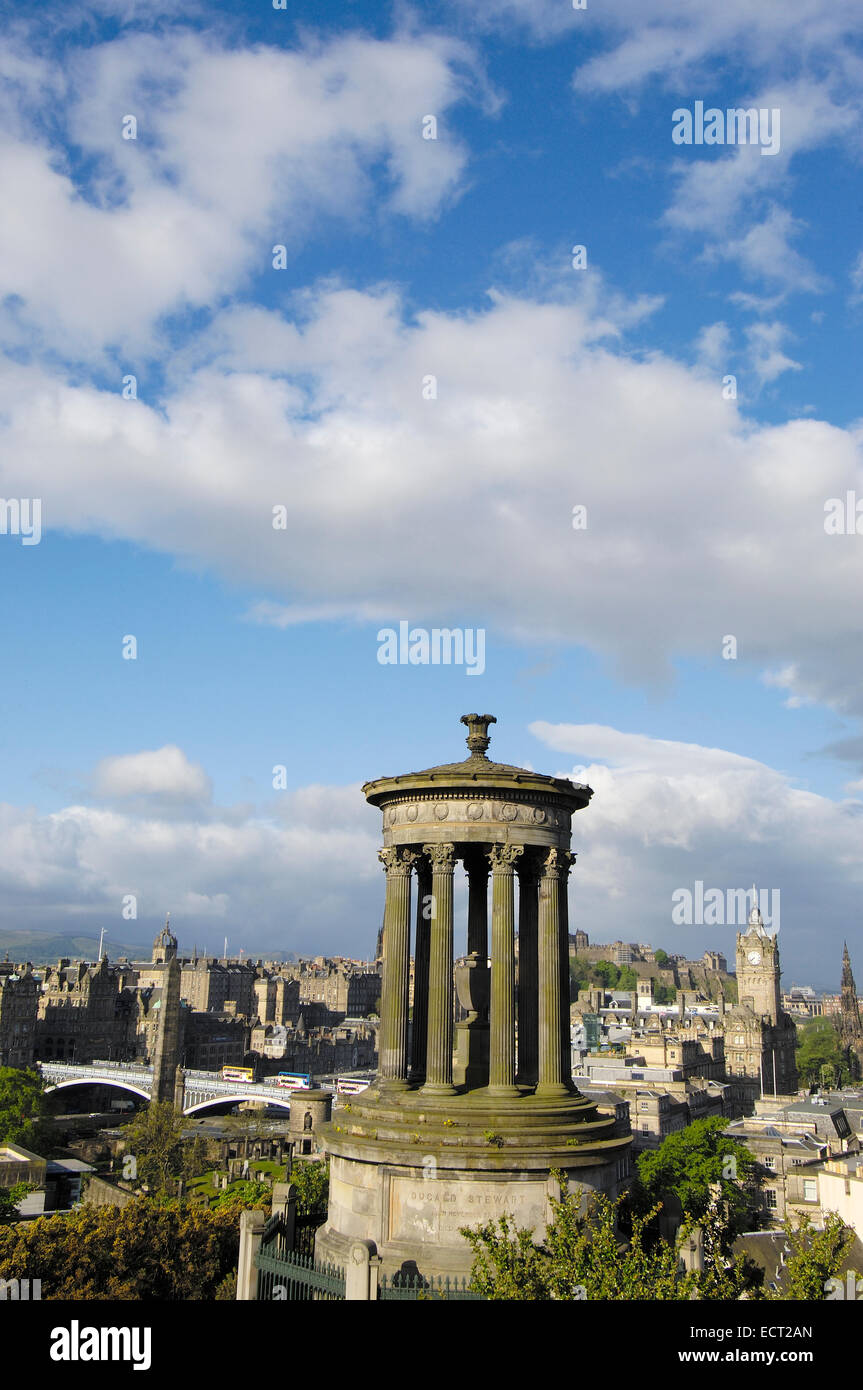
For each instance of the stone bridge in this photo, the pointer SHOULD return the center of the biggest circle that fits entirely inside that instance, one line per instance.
(200, 1088)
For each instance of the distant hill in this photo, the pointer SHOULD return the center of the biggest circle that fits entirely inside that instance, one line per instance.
(43, 948)
(46, 948)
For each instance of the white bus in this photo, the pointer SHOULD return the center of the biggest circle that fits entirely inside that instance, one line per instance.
(350, 1085)
(294, 1080)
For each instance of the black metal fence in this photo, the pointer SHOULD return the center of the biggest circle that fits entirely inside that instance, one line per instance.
(435, 1288)
(288, 1271)
(296, 1278)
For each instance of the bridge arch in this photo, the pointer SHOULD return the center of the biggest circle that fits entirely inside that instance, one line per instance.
(98, 1080)
(233, 1099)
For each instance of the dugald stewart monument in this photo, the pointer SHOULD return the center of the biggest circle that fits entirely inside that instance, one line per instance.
(467, 1123)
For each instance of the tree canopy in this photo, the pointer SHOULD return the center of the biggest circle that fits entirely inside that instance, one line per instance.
(22, 1108)
(165, 1250)
(819, 1045)
(312, 1183)
(701, 1165)
(582, 1258)
(154, 1140)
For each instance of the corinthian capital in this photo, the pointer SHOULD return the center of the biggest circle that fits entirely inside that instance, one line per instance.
(503, 858)
(557, 863)
(442, 857)
(398, 862)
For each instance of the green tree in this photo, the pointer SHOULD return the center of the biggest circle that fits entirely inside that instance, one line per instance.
(664, 994)
(818, 1046)
(661, 957)
(250, 1192)
(194, 1159)
(628, 978)
(145, 1250)
(312, 1183)
(579, 975)
(606, 973)
(155, 1140)
(816, 1256)
(707, 1172)
(582, 1257)
(22, 1109)
(9, 1199)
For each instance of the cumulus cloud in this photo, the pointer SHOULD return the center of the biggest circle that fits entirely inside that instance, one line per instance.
(701, 523)
(665, 814)
(165, 774)
(299, 874)
(236, 151)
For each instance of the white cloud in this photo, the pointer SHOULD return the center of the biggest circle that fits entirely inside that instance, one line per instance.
(700, 522)
(767, 359)
(237, 150)
(665, 814)
(162, 773)
(730, 202)
(675, 41)
(258, 875)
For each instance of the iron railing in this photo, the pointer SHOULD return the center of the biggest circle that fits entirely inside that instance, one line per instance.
(435, 1288)
(297, 1278)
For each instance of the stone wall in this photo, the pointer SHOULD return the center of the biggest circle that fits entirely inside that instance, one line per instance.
(101, 1193)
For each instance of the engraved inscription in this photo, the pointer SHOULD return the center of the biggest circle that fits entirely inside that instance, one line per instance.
(435, 1211)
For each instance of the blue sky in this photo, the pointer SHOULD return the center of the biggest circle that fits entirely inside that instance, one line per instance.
(303, 387)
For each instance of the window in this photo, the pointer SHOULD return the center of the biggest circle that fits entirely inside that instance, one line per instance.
(810, 1190)
(770, 1198)
(645, 1105)
(769, 1161)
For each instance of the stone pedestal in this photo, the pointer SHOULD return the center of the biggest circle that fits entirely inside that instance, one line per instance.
(410, 1176)
(470, 1067)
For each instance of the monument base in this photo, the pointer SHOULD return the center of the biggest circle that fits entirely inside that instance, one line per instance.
(409, 1174)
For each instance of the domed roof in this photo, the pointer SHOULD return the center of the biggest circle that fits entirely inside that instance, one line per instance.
(477, 769)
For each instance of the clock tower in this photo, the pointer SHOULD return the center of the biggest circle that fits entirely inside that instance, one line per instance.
(759, 1038)
(758, 967)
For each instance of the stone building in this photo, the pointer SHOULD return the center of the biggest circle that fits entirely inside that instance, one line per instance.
(87, 1013)
(19, 998)
(790, 1160)
(343, 988)
(760, 1037)
(212, 1041)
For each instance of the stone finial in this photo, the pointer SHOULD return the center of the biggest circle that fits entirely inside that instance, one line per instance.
(477, 739)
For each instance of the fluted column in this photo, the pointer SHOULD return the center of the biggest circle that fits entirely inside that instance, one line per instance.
(551, 1074)
(501, 1071)
(476, 865)
(440, 1001)
(567, 860)
(422, 947)
(393, 1047)
(528, 972)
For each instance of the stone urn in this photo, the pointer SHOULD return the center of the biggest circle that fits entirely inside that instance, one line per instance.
(473, 983)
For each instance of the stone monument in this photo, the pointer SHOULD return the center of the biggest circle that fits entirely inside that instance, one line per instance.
(466, 1123)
